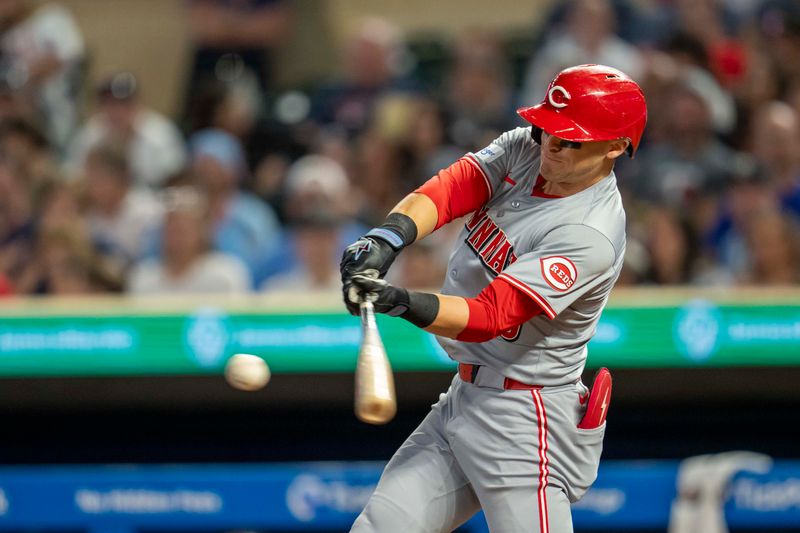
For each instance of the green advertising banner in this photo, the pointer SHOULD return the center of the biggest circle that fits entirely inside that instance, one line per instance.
(119, 338)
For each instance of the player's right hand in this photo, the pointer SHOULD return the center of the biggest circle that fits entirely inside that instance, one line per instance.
(385, 298)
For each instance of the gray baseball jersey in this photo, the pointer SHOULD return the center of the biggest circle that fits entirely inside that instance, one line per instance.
(565, 253)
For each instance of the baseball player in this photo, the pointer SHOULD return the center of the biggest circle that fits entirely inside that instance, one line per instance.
(517, 433)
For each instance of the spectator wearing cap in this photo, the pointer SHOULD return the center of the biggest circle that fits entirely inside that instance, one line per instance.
(243, 225)
(316, 193)
(42, 64)
(119, 214)
(315, 243)
(188, 264)
(154, 145)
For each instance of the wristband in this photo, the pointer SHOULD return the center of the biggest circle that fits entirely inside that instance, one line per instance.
(398, 231)
(394, 239)
(423, 308)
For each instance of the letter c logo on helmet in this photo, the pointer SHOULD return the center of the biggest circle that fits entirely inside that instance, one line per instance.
(564, 96)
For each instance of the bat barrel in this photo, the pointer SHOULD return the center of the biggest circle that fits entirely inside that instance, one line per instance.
(375, 400)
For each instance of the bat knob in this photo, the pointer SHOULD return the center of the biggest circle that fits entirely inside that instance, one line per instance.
(377, 411)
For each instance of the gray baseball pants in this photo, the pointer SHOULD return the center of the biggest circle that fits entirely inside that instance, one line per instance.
(518, 454)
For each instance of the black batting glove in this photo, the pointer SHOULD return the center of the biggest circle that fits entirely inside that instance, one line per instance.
(374, 253)
(348, 290)
(419, 308)
(385, 298)
(368, 254)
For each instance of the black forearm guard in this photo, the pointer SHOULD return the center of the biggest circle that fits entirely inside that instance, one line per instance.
(423, 308)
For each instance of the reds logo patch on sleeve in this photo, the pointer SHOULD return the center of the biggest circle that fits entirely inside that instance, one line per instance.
(559, 272)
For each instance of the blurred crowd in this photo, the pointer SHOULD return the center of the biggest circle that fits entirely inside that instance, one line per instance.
(257, 187)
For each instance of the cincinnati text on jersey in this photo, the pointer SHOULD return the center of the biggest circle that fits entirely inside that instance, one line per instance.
(489, 242)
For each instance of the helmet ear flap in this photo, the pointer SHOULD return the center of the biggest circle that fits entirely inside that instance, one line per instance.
(536, 134)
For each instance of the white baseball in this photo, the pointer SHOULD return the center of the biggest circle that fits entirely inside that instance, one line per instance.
(247, 372)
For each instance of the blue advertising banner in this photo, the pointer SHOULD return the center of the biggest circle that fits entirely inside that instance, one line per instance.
(628, 495)
(766, 500)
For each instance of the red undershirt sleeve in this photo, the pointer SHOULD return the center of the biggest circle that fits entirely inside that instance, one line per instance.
(456, 191)
(499, 307)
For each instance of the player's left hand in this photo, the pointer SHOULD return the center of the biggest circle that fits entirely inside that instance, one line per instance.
(385, 298)
(368, 254)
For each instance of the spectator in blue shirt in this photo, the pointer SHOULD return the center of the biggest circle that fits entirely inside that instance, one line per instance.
(244, 225)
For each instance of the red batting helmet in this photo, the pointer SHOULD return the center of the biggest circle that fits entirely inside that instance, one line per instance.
(591, 103)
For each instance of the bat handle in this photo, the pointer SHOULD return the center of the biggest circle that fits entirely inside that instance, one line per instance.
(367, 314)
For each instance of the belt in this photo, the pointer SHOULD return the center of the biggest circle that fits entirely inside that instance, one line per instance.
(489, 377)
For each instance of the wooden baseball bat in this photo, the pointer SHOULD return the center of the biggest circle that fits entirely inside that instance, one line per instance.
(375, 400)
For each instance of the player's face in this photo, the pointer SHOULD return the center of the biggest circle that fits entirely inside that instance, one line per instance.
(570, 162)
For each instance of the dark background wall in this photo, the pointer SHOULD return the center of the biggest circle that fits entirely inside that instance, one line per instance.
(654, 414)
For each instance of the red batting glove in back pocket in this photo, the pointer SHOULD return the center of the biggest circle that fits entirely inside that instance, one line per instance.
(599, 400)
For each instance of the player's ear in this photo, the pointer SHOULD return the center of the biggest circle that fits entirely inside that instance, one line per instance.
(617, 147)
